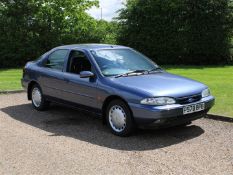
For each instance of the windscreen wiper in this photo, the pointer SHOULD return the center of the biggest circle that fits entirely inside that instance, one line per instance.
(155, 70)
(135, 72)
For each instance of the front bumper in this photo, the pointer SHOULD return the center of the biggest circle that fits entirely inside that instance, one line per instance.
(169, 114)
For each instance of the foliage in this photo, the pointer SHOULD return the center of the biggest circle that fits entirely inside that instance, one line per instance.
(107, 31)
(169, 31)
(178, 31)
(31, 27)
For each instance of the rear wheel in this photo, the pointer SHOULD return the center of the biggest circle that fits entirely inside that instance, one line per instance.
(38, 100)
(119, 118)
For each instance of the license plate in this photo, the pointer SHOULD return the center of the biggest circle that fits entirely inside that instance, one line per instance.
(193, 108)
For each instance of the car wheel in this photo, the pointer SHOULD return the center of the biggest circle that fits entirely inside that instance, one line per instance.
(38, 100)
(119, 118)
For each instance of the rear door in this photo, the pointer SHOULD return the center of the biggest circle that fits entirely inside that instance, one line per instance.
(52, 77)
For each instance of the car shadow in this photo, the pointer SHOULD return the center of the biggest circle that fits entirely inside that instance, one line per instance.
(63, 121)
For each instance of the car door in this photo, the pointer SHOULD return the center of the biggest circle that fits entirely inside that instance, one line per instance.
(80, 90)
(52, 78)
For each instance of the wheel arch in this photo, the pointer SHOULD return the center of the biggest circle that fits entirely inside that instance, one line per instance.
(108, 100)
(30, 85)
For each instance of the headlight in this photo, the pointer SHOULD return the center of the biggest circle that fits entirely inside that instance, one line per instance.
(159, 101)
(205, 93)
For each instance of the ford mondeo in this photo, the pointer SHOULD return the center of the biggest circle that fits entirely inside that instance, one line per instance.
(119, 84)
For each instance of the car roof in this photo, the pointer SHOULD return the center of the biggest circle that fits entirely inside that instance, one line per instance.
(90, 46)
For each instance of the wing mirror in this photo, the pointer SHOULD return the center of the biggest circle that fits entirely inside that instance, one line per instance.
(86, 74)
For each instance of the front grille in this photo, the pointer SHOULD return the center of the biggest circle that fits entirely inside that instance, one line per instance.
(189, 99)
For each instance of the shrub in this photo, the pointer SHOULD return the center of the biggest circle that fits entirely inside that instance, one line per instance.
(178, 31)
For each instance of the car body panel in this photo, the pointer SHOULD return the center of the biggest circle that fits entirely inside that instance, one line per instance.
(80, 90)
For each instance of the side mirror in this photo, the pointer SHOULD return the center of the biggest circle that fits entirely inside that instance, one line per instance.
(86, 74)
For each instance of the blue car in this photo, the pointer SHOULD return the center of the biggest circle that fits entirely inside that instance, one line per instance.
(117, 83)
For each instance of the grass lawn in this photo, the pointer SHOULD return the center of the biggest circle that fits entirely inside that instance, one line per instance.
(10, 79)
(219, 79)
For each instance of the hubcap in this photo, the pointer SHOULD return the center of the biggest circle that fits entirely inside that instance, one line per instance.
(36, 97)
(117, 118)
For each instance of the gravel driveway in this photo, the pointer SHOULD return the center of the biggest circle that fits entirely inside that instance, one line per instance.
(66, 141)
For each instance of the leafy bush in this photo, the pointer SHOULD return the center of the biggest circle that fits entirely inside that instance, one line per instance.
(32, 27)
(178, 31)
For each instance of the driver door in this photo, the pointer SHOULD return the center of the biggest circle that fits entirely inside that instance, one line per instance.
(80, 90)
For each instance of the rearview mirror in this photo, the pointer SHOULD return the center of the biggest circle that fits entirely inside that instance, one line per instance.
(86, 74)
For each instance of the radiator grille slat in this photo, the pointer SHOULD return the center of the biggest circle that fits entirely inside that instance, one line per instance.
(189, 99)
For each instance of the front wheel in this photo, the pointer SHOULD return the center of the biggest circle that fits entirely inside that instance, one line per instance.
(38, 100)
(119, 118)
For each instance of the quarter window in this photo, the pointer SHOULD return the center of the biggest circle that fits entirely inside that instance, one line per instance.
(56, 60)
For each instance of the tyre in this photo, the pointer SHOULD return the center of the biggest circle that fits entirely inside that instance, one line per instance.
(119, 118)
(38, 100)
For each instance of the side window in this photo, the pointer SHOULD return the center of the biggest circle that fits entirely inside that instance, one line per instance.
(56, 60)
(78, 62)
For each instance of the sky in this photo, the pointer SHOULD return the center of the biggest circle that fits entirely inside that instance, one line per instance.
(109, 8)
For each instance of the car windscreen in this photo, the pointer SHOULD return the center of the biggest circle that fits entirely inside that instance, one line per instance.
(118, 61)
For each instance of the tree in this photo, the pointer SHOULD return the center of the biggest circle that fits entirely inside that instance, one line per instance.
(31, 27)
(106, 31)
(178, 31)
